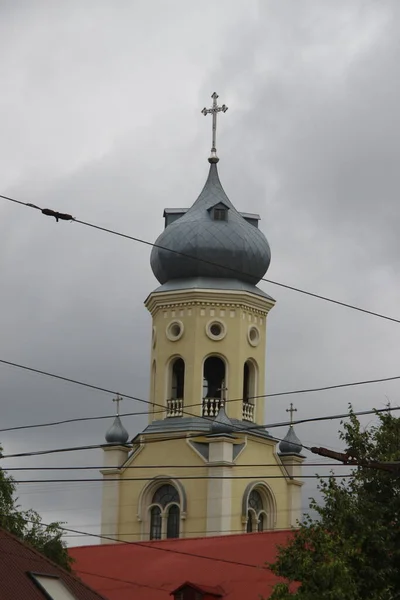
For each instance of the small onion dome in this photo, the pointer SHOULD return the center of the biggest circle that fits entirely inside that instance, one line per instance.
(291, 443)
(221, 423)
(200, 245)
(117, 434)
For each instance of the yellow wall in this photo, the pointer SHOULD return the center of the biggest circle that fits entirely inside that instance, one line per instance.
(238, 311)
(174, 452)
(159, 455)
(167, 454)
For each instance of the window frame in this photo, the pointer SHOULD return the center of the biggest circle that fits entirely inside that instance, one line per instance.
(222, 212)
(164, 512)
(35, 575)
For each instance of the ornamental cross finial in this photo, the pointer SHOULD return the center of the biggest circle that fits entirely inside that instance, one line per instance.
(291, 410)
(118, 399)
(224, 390)
(214, 110)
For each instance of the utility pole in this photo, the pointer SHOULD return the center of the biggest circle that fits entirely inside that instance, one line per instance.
(348, 458)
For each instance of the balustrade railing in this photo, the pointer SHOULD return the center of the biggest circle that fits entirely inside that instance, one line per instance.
(211, 406)
(175, 407)
(248, 412)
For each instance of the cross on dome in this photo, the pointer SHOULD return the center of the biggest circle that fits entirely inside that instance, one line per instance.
(291, 410)
(214, 110)
(118, 399)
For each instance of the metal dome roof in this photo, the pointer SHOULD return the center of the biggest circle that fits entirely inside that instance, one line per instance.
(291, 443)
(117, 434)
(231, 248)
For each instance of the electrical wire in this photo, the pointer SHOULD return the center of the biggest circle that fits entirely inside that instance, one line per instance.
(154, 546)
(119, 580)
(67, 217)
(185, 478)
(75, 420)
(97, 468)
(188, 436)
(247, 428)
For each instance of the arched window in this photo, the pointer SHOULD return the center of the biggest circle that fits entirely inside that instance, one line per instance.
(155, 523)
(176, 385)
(249, 381)
(173, 522)
(165, 495)
(258, 508)
(178, 379)
(153, 384)
(255, 501)
(249, 390)
(165, 513)
(249, 526)
(214, 385)
(261, 521)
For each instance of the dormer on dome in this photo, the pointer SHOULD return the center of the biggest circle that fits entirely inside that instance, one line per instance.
(219, 212)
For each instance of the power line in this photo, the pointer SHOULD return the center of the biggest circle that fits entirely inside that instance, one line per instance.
(119, 580)
(68, 217)
(153, 546)
(97, 468)
(247, 428)
(187, 477)
(188, 436)
(75, 420)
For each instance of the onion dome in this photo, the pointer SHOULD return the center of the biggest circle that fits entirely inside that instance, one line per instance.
(222, 423)
(221, 241)
(291, 443)
(117, 434)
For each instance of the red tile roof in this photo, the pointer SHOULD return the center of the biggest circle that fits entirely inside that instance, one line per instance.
(152, 570)
(17, 560)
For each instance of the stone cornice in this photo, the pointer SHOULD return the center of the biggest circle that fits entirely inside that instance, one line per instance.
(201, 297)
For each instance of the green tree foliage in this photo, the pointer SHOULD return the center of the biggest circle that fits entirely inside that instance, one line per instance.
(28, 526)
(351, 551)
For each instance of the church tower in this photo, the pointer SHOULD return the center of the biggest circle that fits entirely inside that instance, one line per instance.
(204, 465)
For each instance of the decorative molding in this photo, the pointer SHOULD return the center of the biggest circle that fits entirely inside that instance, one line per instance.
(178, 299)
(200, 448)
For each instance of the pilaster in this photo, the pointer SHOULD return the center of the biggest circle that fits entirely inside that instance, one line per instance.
(293, 465)
(219, 493)
(114, 457)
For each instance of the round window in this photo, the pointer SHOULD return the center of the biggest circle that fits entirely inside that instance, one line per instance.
(175, 331)
(253, 335)
(216, 330)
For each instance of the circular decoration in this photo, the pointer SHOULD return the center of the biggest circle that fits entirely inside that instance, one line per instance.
(154, 337)
(175, 331)
(216, 330)
(253, 335)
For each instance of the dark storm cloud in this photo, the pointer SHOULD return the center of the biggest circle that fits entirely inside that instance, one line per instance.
(101, 118)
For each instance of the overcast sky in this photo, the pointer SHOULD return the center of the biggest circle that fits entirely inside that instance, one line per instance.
(100, 117)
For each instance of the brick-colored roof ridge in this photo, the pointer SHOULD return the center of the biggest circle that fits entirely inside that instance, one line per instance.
(26, 546)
